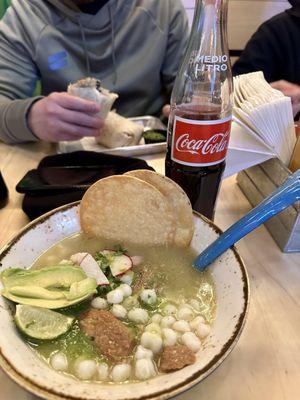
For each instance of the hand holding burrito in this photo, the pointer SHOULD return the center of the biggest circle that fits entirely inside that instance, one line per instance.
(118, 131)
(90, 89)
(60, 116)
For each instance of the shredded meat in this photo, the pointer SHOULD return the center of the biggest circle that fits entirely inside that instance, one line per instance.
(111, 337)
(176, 357)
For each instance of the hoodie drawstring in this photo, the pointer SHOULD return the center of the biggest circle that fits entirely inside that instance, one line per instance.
(113, 50)
(86, 53)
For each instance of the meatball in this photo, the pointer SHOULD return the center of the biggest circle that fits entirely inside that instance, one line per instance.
(111, 337)
(176, 357)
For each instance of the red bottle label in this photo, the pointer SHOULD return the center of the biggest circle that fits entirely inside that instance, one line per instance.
(200, 143)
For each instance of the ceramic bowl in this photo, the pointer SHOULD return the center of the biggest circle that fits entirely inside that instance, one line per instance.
(31, 372)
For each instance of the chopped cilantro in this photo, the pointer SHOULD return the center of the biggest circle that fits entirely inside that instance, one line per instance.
(119, 250)
(104, 289)
(76, 309)
(102, 260)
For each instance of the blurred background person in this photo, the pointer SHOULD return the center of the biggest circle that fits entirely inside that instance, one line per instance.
(275, 49)
(134, 47)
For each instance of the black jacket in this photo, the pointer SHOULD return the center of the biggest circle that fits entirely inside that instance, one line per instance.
(274, 48)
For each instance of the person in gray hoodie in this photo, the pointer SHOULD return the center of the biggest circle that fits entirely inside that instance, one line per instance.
(133, 46)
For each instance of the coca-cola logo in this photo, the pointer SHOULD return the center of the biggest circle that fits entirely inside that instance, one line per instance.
(215, 144)
(200, 142)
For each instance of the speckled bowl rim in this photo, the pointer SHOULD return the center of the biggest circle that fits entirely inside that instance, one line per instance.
(32, 387)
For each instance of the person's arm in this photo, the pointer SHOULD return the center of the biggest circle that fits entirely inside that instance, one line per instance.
(23, 118)
(18, 77)
(263, 52)
(177, 41)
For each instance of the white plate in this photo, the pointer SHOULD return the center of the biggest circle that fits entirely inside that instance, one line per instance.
(89, 144)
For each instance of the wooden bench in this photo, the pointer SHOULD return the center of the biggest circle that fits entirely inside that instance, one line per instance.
(244, 17)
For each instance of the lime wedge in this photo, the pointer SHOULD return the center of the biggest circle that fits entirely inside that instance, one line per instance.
(40, 323)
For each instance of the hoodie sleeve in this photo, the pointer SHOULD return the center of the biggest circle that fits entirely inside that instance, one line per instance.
(177, 41)
(18, 78)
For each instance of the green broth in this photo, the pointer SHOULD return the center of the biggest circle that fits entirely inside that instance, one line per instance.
(172, 275)
(74, 344)
(171, 265)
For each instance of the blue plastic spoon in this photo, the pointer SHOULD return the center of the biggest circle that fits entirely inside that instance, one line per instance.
(283, 197)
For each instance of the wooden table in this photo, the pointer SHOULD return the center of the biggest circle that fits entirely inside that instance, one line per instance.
(265, 365)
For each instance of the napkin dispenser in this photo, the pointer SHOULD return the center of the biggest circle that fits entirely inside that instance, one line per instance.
(259, 182)
(295, 160)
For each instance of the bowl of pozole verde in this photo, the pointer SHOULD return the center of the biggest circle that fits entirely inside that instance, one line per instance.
(100, 299)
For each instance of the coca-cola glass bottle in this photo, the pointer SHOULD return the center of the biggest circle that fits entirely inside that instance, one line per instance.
(201, 109)
(3, 192)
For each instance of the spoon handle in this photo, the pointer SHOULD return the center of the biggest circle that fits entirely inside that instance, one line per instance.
(283, 197)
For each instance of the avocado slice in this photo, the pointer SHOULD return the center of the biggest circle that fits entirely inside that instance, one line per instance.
(50, 304)
(82, 288)
(49, 287)
(61, 276)
(36, 292)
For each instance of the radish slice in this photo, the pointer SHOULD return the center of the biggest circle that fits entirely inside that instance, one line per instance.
(78, 258)
(90, 267)
(120, 264)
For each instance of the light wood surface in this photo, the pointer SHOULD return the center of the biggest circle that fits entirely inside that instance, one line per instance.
(265, 364)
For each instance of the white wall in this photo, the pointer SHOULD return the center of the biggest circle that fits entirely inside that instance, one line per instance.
(244, 17)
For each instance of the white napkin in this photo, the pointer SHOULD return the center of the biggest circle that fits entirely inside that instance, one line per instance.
(245, 149)
(263, 124)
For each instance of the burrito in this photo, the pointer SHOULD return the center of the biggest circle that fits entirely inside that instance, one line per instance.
(119, 132)
(90, 89)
